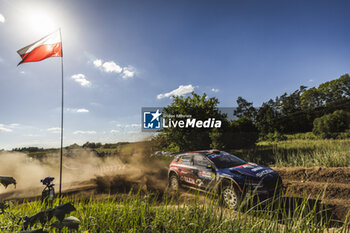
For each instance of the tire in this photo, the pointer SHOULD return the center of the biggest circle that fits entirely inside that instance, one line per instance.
(174, 184)
(230, 197)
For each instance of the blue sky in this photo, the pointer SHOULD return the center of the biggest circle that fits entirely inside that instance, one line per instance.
(120, 56)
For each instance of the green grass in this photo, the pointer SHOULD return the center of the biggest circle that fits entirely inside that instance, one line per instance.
(300, 152)
(140, 213)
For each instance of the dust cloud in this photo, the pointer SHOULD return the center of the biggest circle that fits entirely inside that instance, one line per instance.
(141, 174)
(131, 168)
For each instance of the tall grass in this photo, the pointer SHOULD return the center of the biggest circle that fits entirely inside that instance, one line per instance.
(300, 152)
(137, 213)
(309, 153)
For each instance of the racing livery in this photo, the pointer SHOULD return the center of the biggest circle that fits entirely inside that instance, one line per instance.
(222, 173)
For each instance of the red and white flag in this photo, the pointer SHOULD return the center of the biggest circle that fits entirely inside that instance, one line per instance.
(49, 46)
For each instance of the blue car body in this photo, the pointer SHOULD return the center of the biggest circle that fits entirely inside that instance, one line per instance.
(211, 169)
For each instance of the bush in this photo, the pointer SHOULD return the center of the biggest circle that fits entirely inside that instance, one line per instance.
(344, 135)
(303, 136)
(331, 125)
(275, 137)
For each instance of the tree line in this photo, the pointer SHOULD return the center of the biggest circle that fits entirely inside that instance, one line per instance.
(297, 112)
(323, 110)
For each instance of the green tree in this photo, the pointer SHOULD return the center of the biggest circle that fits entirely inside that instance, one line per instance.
(292, 117)
(267, 118)
(199, 107)
(245, 109)
(328, 96)
(336, 90)
(330, 125)
(312, 99)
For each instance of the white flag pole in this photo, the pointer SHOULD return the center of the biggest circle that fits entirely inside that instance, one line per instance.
(62, 110)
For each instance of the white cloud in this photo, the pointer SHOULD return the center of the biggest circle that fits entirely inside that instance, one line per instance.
(311, 80)
(4, 128)
(111, 67)
(181, 90)
(215, 90)
(97, 62)
(81, 79)
(82, 110)
(115, 131)
(84, 132)
(54, 130)
(9, 128)
(128, 72)
(77, 110)
(2, 19)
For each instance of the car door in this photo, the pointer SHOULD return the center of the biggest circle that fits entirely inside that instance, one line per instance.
(186, 169)
(204, 172)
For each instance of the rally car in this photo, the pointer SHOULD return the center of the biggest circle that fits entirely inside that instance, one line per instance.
(224, 174)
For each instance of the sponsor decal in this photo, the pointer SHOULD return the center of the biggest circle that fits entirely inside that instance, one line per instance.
(205, 174)
(213, 156)
(262, 173)
(189, 180)
(257, 169)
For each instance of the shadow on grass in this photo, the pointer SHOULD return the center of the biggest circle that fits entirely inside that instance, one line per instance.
(266, 155)
(283, 209)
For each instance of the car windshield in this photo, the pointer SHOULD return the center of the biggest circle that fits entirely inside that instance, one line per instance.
(225, 160)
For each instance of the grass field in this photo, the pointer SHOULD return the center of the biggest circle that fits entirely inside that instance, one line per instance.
(300, 152)
(143, 213)
(149, 213)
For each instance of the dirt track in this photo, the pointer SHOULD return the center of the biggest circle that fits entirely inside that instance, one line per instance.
(333, 183)
(329, 185)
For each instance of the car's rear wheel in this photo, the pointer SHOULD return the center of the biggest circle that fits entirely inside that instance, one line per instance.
(174, 184)
(230, 197)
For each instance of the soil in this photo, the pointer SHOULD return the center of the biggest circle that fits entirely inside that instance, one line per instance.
(330, 186)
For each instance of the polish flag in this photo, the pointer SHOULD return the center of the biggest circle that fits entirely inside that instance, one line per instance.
(49, 46)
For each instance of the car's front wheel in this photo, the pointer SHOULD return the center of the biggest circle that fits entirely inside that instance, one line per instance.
(230, 197)
(174, 184)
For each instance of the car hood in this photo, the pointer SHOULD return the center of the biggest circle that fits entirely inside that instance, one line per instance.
(250, 169)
